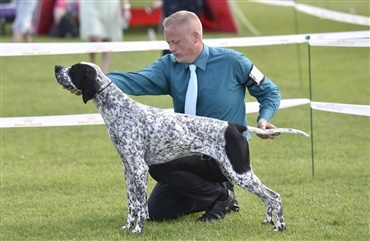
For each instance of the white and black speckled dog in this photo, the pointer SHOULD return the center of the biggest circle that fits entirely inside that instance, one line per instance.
(145, 136)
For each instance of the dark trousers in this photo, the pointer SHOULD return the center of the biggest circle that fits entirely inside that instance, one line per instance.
(185, 185)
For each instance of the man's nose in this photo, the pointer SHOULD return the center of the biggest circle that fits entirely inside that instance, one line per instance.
(172, 48)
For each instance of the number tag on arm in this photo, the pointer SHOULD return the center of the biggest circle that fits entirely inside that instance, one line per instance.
(256, 76)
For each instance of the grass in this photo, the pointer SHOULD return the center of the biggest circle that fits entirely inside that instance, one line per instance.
(66, 183)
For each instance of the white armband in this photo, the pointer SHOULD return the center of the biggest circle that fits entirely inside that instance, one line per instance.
(256, 76)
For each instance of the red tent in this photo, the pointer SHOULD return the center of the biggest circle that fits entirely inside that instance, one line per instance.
(216, 17)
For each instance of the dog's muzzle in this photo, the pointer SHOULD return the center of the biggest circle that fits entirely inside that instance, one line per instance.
(58, 68)
(62, 77)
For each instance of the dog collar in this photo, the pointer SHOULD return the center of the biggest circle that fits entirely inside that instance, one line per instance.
(104, 87)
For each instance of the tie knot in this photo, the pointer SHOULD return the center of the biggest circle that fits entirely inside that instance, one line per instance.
(192, 67)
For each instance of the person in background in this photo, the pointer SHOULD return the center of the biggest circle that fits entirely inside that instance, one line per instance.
(102, 21)
(171, 6)
(23, 29)
(65, 15)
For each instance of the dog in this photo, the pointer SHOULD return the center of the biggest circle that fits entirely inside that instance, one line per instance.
(145, 135)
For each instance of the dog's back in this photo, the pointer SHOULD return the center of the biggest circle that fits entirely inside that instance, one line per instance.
(162, 134)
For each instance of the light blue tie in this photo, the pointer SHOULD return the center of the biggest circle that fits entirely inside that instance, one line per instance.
(192, 92)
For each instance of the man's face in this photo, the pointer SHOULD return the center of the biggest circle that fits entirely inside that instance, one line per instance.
(181, 43)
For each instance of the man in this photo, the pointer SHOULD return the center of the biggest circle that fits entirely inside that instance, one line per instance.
(171, 6)
(196, 183)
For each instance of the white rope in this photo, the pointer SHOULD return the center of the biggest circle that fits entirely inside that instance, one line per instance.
(96, 119)
(341, 43)
(320, 12)
(363, 110)
(25, 49)
(244, 19)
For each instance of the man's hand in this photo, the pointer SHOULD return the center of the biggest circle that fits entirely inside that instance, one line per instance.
(73, 91)
(263, 124)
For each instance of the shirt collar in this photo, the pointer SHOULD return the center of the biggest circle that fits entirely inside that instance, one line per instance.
(201, 61)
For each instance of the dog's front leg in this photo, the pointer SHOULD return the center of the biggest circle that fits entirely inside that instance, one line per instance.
(136, 174)
(141, 177)
(131, 197)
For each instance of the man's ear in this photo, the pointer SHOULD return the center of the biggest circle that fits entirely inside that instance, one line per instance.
(83, 77)
(196, 36)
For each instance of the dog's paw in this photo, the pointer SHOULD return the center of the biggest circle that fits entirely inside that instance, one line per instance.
(280, 227)
(126, 227)
(137, 230)
(268, 222)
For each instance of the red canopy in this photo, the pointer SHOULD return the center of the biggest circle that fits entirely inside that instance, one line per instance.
(216, 17)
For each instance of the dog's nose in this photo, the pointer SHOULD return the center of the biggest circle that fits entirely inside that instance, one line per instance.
(57, 68)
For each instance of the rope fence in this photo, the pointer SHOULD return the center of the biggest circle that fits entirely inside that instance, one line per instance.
(320, 12)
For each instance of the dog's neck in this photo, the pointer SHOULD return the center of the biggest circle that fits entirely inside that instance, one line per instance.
(110, 96)
(103, 87)
(105, 82)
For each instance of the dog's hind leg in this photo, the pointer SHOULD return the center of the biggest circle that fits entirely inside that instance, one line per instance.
(271, 199)
(236, 165)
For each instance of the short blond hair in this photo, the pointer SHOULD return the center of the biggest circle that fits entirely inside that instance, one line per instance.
(184, 17)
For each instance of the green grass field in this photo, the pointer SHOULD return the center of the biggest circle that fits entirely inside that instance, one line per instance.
(66, 183)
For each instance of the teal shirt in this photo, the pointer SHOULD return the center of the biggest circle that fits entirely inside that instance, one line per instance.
(223, 78)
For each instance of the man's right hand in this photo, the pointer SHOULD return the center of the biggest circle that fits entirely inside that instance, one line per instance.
(74, 91)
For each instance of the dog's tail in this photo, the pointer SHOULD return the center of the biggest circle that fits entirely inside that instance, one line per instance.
(273, 131)
(241, 128)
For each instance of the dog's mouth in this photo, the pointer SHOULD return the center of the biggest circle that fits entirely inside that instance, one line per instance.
(69, 87)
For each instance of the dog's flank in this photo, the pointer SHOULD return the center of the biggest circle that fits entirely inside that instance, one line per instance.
(145, 136)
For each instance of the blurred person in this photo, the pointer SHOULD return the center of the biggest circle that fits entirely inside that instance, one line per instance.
(65, 15)
(22, 27)
(103, 21)
(171, 6)
(194, 183)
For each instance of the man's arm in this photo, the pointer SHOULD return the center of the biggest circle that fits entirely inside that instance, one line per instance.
(268, 95)
(149, 81)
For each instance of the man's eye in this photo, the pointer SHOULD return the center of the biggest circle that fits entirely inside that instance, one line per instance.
(173, 42)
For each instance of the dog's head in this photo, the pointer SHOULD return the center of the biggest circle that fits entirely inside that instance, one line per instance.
(81, 76)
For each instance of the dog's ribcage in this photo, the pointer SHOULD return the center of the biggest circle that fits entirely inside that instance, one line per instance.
(161, 134)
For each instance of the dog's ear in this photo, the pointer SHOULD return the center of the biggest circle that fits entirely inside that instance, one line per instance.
(83, 77)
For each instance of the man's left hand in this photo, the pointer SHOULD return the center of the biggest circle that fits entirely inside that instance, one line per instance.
(264, 124)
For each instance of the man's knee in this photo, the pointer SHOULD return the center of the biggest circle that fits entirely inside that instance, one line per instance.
(156, 172)
(160, 214)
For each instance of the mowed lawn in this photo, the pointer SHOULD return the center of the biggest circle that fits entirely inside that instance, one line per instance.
(67, 183)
